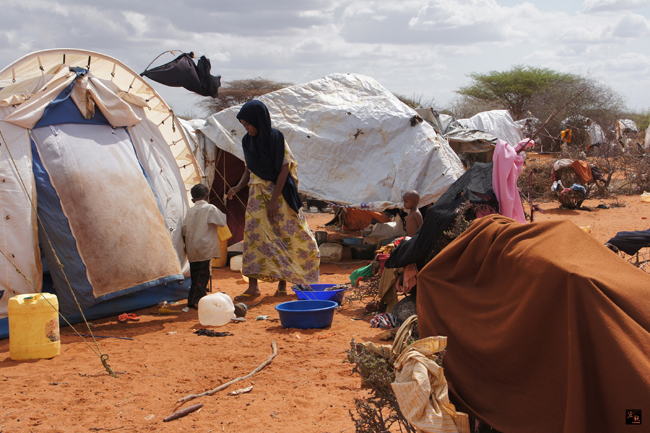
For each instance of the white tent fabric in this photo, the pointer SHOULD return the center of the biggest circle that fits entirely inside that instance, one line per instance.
(204, 151)
(498, 123)
(19, 237)
(596, 134)
(353, 141)
(47, 63)
(27, 87)
(99, 181)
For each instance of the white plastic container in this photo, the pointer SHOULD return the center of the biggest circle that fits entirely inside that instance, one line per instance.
(330, 252)
(236, 263)
(216, 309)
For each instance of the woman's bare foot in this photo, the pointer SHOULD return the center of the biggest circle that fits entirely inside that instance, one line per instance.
(282, 288)
(252, 292)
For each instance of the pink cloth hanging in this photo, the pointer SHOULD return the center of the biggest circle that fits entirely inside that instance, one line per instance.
(507, 167)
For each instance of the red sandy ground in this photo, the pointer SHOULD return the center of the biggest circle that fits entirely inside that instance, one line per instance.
(306, 388)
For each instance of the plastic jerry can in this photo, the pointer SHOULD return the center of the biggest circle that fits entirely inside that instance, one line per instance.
(330, 252)
(220, 262)
(34, 326)
(236, 263)
(216, 309)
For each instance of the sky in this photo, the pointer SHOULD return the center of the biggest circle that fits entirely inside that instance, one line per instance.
(423, 49)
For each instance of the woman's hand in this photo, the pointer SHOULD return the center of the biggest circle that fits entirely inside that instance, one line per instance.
(231, 193)
(272, 209)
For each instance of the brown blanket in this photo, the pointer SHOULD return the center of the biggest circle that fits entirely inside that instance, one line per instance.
(548, 330)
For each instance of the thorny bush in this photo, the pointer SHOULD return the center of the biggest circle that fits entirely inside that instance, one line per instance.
(380, 410)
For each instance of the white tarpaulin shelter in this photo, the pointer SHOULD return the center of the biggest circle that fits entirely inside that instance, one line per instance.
(95, 170)
(354, 142)
(498, 123)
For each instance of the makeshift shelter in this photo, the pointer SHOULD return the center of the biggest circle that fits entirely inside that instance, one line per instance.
(471, 145)
(625, 131)
(585, 133)
(496, 122)
(475, 187)
(221, 170)
(354, 142)
(95, 173)
(547, 329)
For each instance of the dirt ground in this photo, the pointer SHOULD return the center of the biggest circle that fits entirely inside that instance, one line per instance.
(306, 388)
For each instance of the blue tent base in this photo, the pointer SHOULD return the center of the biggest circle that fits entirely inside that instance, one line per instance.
(173, 291)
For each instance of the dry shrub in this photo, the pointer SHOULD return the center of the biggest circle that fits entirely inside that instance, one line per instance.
(465, 214)
(635, 170)
(380, 411)
(541, 185)
(617, 202)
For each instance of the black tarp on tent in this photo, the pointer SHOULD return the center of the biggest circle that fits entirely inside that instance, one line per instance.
(475, 186)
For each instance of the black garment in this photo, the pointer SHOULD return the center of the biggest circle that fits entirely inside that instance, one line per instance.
(631, 242)
(474, 185)
(200, 275)
(264, 153)
(182, 72)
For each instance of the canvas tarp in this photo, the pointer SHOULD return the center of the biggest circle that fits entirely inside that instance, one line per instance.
(547, 329)
(353, 141)
(62, 154)
(496, 122)
(461, 138)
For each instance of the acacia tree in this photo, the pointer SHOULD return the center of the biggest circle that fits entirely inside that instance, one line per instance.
(515, 89)
(588, 98)
(240, 91)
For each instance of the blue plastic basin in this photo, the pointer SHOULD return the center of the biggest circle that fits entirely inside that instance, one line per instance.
(306, 314)
(318, 293)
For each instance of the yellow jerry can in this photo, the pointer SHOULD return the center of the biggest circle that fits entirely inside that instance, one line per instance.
(34, 326)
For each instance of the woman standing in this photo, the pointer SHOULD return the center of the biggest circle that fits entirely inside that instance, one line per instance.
(278, 245)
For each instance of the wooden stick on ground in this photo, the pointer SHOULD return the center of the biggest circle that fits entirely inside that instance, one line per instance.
(183, 412)
(226, 385)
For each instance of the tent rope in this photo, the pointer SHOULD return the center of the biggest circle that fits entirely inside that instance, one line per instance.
(102, 357)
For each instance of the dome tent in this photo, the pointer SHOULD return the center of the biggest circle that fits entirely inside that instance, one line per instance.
(95, 171)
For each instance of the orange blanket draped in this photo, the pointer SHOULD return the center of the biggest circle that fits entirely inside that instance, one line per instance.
(356, 219)
(548, 330)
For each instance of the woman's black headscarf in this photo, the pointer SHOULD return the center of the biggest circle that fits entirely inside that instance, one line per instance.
(264, 153)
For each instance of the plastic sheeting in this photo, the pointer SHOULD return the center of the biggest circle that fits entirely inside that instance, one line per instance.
(19, 235)
(353, 141)
(461, 139)
(496, 122)
(27, 89)
(113, 214)
(34, 67)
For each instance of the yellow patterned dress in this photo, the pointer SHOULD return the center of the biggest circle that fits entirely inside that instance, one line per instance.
(282, 249)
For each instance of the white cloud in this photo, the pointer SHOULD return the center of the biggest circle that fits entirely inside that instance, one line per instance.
(631, 26)
(412, 46)
(613, 5)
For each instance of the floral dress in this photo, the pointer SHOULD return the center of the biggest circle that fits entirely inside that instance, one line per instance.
(281, 249)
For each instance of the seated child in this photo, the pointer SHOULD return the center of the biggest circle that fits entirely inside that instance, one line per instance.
(201, 241)
(414, 217)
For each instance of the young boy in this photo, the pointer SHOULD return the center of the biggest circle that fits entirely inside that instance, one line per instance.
(414, 217)
(201, 241)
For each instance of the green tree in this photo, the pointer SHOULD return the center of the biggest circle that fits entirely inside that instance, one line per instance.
(240, 91)
(515, 89)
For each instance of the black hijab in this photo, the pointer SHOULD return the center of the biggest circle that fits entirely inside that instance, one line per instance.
(264, 153)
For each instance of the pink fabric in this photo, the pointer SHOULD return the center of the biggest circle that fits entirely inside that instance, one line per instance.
(507, 167)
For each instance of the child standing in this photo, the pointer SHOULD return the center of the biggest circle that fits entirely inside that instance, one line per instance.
(201, 241)
(414, 217)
